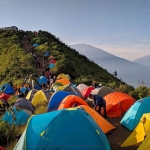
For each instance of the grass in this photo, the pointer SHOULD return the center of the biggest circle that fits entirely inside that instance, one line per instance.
(17, 130)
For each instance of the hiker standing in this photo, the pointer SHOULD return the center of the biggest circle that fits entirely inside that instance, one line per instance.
(51, 81)
(99, 103)
(16, 88)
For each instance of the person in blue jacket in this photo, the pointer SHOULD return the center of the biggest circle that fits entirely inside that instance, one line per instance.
(99, 103)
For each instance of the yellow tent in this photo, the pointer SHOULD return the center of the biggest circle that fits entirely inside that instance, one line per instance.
(139, 133)
(31, 94)
(59, 88)
(145, 144)
(40, 97)
(62, 76)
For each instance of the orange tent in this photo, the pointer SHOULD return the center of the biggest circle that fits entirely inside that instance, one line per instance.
(63, 81)
(117, 103)
(102, 123)
(70, 101)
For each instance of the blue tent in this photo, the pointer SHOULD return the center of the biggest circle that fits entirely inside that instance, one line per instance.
(56, 99)
(9, 90)
(23, 89)
(17, 117)
(4, 86)
(42, 79)
(35, 45)
(133, 115)
(67, 129)
(37, 87)
(51, 65)
(46, 54)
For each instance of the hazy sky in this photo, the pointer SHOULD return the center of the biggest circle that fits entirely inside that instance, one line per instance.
(120, 27)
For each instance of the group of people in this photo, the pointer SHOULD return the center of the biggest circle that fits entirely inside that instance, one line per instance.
(49, 76)
(24, 88)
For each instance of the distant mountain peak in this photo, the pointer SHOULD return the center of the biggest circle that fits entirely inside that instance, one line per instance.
(130, 72)
(145, 60)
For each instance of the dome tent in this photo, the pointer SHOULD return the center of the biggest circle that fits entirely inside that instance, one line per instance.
(21, 117)
(68, 129)
(103, 91)
(102, 123)
(71, 100)
(63, 81)
(35, 44)
(31, 94)
(70, 88)
(81, 87)
(23, 103)
(117, 103)
(62, 76)
(47, 54)
(133, 115)
(40, 97)
(87, 91)
(42, 79)
(56, 99)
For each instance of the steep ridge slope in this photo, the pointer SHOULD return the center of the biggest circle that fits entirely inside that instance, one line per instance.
(69, 61)
(20, 63)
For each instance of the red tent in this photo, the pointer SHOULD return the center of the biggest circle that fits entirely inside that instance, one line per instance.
(53, 61)
(2, 148)
(5, 96)
(87, 91)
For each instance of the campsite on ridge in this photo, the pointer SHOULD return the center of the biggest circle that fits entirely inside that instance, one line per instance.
(48, 111)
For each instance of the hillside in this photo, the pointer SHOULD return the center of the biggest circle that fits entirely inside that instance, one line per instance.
(132, 73)
(20, 63)
(143, 60)
(15, 63)
(69, 61)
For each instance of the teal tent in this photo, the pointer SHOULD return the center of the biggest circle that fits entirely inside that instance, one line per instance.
(133, 115)
(67, 129)
(16, 116)
(51, 65)
(35, 44)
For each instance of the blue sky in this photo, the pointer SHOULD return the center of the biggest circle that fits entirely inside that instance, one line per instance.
(120, 27)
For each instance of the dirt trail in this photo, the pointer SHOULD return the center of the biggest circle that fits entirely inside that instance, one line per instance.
(118, 135)
(26, 46)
